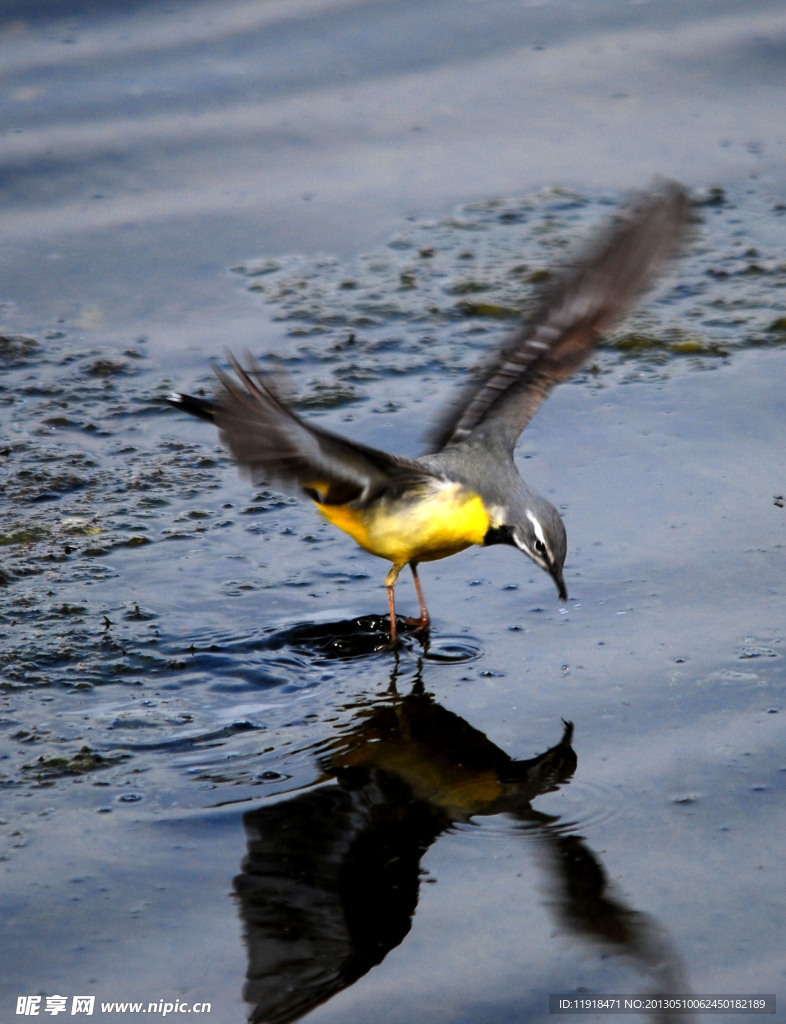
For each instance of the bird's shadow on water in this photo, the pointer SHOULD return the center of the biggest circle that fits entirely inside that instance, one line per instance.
(331, 878)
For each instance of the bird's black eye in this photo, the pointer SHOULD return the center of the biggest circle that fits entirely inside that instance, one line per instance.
(540, 547)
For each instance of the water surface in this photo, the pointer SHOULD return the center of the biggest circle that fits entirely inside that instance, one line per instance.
(215, 787)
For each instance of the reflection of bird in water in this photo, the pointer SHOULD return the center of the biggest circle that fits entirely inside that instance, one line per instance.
(331, 880)
(468, 490)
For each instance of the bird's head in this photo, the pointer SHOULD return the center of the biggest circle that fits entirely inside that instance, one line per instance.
(535, 527)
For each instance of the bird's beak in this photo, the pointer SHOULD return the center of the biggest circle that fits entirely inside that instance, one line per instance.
(561, 588)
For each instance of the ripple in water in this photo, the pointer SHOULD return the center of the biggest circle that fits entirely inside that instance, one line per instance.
(573, 809)
(452, 649)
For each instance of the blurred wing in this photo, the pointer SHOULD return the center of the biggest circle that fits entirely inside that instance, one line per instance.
(272, 443)
(584, 304)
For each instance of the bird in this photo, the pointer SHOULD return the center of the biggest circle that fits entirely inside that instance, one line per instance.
(466, 489)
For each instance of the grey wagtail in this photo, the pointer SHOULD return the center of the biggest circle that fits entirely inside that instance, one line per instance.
(467, 490)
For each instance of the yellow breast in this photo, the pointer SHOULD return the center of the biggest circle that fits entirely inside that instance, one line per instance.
(432, 524)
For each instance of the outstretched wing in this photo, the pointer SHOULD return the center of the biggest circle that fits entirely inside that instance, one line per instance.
(272, 443)
(584, 304)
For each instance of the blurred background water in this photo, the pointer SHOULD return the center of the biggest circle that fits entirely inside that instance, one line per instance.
(212, 790)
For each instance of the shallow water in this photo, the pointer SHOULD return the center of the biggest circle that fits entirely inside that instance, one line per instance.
(218, 786)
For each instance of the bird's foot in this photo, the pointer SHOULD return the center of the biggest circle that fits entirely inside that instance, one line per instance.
(421, 624)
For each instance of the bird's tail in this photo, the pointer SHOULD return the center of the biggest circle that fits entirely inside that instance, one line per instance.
(203, 408)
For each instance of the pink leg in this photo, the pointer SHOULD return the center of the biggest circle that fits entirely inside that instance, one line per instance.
(425, 619)
(390, 583)
(392, 603)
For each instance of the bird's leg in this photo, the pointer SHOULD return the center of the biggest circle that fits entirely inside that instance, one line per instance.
(425, 619)
(390, 583)
(392, 602)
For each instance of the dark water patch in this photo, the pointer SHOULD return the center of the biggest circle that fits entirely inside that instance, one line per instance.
(347, 639)
(299, 656)
(370, 634)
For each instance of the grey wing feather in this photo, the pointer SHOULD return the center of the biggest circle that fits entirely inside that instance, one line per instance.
(271, 442)
(585, 303)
